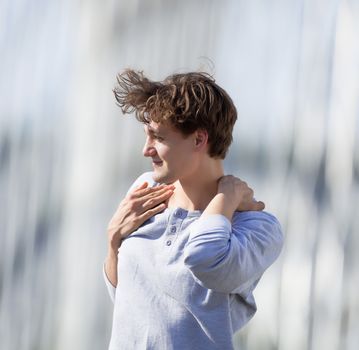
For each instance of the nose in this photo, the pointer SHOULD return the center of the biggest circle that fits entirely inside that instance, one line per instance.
(148, 149)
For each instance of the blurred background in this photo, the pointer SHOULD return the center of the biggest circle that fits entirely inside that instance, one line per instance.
(67, 155)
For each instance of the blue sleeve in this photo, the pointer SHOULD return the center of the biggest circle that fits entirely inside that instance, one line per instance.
(229, 257)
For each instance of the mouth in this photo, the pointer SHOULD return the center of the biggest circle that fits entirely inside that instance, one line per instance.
(157, 163)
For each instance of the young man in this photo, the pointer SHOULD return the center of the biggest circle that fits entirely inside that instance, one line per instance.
(187, 245)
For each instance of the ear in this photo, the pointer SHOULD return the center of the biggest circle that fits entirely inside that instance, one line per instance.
(201, 138)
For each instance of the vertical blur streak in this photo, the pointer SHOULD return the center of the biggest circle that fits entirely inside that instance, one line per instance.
(67, 156)
(321, 192)
(33, 73)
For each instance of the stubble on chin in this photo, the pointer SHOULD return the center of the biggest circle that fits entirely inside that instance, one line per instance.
(163, 179)
(157, 177)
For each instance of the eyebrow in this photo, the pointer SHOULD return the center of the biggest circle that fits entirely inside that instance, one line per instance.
(151, 130)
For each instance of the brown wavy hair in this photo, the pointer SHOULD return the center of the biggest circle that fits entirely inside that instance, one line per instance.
(190, 101)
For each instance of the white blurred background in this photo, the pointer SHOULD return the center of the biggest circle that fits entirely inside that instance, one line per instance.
(67, 155)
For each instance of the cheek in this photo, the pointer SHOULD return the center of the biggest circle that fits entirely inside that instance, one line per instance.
(163, 151)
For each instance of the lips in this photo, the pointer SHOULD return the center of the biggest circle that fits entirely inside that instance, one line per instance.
(156, 162)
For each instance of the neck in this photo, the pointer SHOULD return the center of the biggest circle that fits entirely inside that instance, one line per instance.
(197, 190)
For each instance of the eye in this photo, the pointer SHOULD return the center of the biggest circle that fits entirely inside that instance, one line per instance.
(158, 138)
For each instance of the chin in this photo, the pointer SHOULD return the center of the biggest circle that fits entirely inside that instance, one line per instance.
(163, 178)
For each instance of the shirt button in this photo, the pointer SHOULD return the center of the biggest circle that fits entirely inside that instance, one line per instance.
(168, 242)
(173, 229)
(180, 213)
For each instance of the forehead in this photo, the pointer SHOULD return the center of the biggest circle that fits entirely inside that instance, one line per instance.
(164, 127)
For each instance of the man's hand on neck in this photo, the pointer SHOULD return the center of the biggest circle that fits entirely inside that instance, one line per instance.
(232, 195)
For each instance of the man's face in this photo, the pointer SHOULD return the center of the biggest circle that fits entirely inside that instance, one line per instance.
(172, 154)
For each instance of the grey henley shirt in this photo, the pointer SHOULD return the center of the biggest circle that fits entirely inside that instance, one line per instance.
(186, 281)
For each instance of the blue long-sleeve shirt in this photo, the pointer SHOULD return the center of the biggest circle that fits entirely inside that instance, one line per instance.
(186, 281)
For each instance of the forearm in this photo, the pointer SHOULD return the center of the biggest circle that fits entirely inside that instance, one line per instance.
(111, 266)
(219, 205)
(229, 256)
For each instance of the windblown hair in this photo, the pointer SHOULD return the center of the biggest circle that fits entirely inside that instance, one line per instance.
(190, 101)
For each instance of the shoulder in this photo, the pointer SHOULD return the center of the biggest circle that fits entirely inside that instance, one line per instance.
(250, 216)
(261, 222)
(145, 177)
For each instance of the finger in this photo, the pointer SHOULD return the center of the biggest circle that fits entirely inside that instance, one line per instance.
(137, 189)
(141, 186)
(150, 203)
(151, 212)
(142, 192)
(258, 206)
(153, 192)
(156, 194)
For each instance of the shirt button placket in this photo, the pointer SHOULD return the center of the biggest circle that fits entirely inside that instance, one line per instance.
(179, 213)
(178, 216)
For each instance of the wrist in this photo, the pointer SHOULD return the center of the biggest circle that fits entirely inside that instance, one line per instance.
(220, 205)
(225, 202)
(114, 240)
(112, 251)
